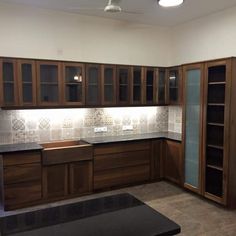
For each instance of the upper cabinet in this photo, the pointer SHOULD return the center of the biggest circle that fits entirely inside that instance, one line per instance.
(137, 75)
(161, 86)
(175, 86)
(150, 83)
(27, 82)
(49, 83)
(93, 84)
(73, 84)
(123, 83)
(8, 83)
(108, 85)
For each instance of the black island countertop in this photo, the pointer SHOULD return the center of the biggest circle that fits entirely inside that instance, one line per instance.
(123, 138)
(20, 147)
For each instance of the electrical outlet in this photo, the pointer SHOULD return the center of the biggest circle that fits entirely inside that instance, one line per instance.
(100, 129)
(127, 127)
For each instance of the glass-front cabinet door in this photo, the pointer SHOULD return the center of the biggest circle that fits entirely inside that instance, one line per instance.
(49, 83)
(27, 82)
(161, 87)
(175, 86)
(93, 84)
(8, 83)
(192, 135)
(137, 74)
(108, 91)
(73, 84)
(150, 78)
(123, 80)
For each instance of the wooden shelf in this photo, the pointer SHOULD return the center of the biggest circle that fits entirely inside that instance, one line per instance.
(8, 82)
(215, 124)
(217, 83)
(216, 104)
(215, 146)
(215, 167)
(49, 83)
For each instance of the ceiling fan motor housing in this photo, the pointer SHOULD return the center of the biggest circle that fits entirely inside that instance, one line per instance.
(112, 7)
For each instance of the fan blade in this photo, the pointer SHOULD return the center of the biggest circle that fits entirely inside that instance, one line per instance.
(132, 12)
(85, 8)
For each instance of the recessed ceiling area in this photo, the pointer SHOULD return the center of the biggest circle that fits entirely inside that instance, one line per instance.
(151, 12)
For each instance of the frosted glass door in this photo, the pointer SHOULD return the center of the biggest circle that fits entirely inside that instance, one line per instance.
(192, 126)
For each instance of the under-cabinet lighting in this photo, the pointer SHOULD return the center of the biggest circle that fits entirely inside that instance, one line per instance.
(170, 3)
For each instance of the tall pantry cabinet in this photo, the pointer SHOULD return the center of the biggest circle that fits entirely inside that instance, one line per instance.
(209, 130)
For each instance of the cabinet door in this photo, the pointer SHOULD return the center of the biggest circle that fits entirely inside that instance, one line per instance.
(161, 87)
(150, 82)
(123, 79)
(27, 82)
(93, 84)
(157, 160)
(55, 181)
(49, 83)
(81, 177)
(175, 86)
(108, 85)
(173, 162)
(73, 84)
(8, 83)
(137, 90)
(192, 135)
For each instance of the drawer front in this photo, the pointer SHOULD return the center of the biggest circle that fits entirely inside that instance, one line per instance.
(21, 158)
(24, 193)
(65, 155)
(121, 176)
(22, 173)
(121, 147)
(118, 160)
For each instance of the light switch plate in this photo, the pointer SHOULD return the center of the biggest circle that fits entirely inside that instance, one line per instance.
(127, 127)
(100, 129)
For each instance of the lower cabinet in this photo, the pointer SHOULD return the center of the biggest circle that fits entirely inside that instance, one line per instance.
(21, 183)
(173, 162)
(121, 164)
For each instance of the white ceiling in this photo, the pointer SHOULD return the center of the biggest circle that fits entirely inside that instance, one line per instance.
(152, 13)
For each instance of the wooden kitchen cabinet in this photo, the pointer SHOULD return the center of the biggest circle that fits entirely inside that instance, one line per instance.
(9, 94)
(108, 85)
(21, 176)
(161, 85)
(73, 84)
(93, 84)
(175, 86)
(173, 162)
(49, 83)
(137, 86)
(150, 85)
(123, 85)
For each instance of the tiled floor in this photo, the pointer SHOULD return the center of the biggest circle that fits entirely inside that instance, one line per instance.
(197, 217)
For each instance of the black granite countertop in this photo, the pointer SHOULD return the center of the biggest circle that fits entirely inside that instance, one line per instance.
(116, 215)
(123, 138)
(19, 147)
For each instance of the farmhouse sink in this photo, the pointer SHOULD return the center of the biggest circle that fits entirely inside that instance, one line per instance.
(66, 151)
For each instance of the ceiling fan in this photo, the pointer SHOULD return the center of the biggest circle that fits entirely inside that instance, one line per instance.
(111, 7)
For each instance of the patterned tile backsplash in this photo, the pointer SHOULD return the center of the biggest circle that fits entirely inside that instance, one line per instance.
(19, 126)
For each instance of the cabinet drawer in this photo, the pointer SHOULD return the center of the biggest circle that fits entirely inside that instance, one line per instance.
(65, 155)
(121, 176)
(23, 193)
(21, 158)
(117, 160)
(121, 147)
(22, 173)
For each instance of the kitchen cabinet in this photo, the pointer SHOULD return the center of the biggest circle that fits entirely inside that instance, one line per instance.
(137, 84)
(173, 162)
(123, 85)
(161, 82)
(8, 83)
(49, 83)
(21, 179)
(121, 164)
(93, 84)
(175, 86)
(73, 84)
(108, 85)
(150, 83)
(193, 129)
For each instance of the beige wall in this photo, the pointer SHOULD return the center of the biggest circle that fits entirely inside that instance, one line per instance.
(207, 38)
(39, 33)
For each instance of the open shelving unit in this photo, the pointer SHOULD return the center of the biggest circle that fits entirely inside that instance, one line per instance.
(215, 129)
